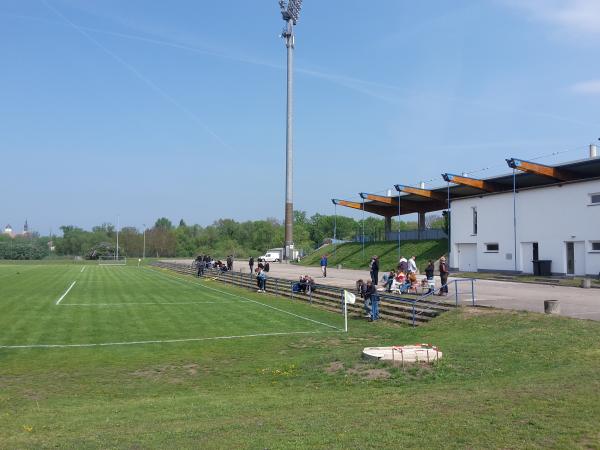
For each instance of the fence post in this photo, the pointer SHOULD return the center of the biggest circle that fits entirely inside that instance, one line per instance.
(276, 286)
(291, 291)
(342, 297)
(310, 296)
(473, 290)
(413, 314)
(456, 292)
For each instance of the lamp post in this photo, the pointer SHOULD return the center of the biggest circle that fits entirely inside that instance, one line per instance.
(144, 251)
(117, 253)
(290, 11)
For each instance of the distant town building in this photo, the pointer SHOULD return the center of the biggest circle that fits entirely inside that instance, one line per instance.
(8, 231)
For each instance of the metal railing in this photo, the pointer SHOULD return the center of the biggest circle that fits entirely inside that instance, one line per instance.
(417, 235)
(430, 296)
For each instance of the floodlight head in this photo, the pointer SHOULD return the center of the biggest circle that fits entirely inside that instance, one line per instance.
(335, 201)
(447, 177)
(290, 10)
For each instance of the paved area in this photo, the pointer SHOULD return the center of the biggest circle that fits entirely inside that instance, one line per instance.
(574, 302)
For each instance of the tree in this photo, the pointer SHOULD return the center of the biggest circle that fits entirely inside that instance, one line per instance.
(106, 228)
(161, 242)
(163, 223)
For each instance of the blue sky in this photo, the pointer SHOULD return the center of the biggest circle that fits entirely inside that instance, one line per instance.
(146, 109)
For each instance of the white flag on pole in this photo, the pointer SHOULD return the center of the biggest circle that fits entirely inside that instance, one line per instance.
(349, 297)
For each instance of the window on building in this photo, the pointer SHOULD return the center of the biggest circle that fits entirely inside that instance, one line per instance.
(492, 248)
(595, 246)
(595, 199)
(474, 220)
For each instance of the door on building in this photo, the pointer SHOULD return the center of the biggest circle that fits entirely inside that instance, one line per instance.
(467, 257)
(570, 258)
(529, 253)
(579, 253)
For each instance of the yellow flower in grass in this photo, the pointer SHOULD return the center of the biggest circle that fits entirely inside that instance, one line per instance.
(28, 428)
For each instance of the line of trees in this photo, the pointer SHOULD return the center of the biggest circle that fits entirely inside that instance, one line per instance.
(24, 247)
(223, 237)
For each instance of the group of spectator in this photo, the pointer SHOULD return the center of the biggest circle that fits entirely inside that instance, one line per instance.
(368, 292)
(261, 265)
(203, 262)
(402, 279)
(306, 285)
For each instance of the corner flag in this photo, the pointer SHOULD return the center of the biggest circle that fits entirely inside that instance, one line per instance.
(349, 297)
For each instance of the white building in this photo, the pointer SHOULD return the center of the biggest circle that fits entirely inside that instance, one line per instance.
(547, 214)
(554, 215)
(8, 231)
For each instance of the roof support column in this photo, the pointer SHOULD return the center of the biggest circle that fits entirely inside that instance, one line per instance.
(388, 227)
(420, 224)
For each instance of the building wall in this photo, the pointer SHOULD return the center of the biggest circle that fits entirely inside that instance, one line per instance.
(550, 216)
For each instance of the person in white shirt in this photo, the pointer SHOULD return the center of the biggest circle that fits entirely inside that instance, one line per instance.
(412, 265)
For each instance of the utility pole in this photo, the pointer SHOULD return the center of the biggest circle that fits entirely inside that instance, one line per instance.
(290, 11)
(144, 251)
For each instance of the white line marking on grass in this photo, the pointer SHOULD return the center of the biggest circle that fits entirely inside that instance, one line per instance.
(164, 341)
(82, 269)
(254, 301)
(66, 292)
(153, 303)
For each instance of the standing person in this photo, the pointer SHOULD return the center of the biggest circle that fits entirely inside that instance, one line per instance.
(324, 266)
(429, 275)
(443, 267)
(251, 264)
(261, 279)
(374, 306)
(375, 270)
(367, 296)
(412, 265)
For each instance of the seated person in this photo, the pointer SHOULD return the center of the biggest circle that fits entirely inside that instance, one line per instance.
(388, 279)
(398, 281)
(302, 284)
(431, 284)
(359, 285)
(413, 282)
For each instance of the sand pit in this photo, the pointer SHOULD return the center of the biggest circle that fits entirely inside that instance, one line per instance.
(404, 354)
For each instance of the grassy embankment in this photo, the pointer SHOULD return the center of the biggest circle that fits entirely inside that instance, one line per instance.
(350, 255)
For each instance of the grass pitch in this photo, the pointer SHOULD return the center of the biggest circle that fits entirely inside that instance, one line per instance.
(139, 358)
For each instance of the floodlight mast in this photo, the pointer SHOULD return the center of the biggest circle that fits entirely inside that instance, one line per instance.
(290, 11)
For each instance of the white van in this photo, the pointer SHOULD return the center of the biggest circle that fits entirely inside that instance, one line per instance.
(270, 257)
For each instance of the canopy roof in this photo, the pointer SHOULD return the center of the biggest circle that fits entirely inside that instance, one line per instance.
(529, 175)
